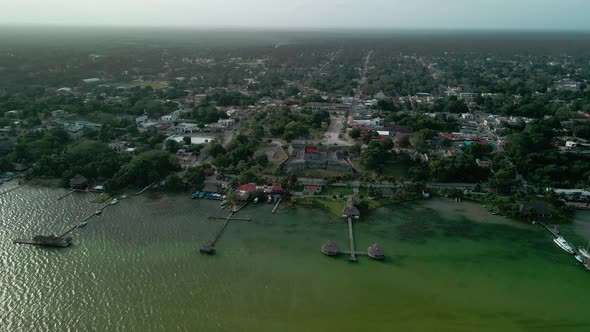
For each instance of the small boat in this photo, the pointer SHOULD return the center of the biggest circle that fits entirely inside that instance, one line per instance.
(256, 200)
(97, 212)
(122, 196)
(493, 213)
(114, 201)
(269, 200)
(580, 259)
(563, 244)
(83, 224)
(585, 252)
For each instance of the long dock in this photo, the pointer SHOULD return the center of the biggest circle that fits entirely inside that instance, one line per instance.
(11, 189)
(277, 205)
(551, 229)
(209, 248)
(352, 257)
(146, 188)
(66, 195)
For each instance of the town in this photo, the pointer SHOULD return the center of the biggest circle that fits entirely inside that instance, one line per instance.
(320, 122)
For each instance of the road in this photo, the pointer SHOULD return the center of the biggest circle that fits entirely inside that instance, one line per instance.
(338, 121)
(334, 130)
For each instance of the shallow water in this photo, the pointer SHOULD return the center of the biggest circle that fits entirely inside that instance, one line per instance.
(137, 268)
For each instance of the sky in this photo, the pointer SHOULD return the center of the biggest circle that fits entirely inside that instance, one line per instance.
(308, 14)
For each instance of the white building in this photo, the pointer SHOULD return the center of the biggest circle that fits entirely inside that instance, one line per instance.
(141, 119)
(186, 128)
(168, 118)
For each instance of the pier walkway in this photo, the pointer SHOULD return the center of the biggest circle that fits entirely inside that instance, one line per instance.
(209, 247)
(352, 257)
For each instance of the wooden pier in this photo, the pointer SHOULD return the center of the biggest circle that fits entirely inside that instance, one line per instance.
(209, 247)
(277, 205)
(352, 257)
(146, 188)
(66, 195)
(554, 231)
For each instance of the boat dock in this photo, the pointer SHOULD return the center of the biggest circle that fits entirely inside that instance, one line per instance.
(352, 257)
(209, 247)
(554, 231)
(330, 248)
(277, 205)
(66, 195)
(146, 188)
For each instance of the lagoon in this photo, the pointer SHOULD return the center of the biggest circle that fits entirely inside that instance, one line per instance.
(449, 267)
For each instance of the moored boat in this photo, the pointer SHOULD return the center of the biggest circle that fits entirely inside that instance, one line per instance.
(580, 259)
(256, 200)
(114, 201)
(269, 200)
(98, 212)
(563, 244)
(82, 224)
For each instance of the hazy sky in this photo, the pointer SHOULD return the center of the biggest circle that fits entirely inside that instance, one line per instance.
(423, 14)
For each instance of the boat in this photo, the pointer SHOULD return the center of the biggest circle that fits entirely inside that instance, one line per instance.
(493, 213)
(580, 259)
(48, 241)
(585, 252)
(269, 200)
(98, 212)
(123, 197)
(256, 200)
(114, 201)
(82, 224)
(562, 243)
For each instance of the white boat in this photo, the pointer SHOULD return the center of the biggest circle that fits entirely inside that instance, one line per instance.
(98, 212)
(580, 259)
(82, 224)
(256, 200)
(269, 200)
(562, 243)
(114, 201)
(585, 252)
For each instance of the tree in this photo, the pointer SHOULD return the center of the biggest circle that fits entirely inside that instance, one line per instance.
(355, 133)
(172, 146)
(186, 140)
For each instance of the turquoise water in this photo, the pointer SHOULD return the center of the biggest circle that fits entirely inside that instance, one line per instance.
(137, 268)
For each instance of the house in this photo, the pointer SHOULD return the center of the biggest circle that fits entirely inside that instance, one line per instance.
(483, 163)
(225, 122)
(248, 187)
(11, 114)
(312, 189)
(537, 209)
(168, 118)
(141, 119)
(78, 182)
(91, 80)
(74, 130)
(211, 187)
(186, 128)
(59, 114)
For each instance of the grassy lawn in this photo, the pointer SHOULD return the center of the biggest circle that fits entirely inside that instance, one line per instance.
(326, 190)
(333, 206)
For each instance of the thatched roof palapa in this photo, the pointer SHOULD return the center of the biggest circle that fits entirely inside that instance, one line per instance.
(330, 248)
(375, 251)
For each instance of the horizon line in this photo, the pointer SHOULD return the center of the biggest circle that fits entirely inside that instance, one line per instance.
(291, 28)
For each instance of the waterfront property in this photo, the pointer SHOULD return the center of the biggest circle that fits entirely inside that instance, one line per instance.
(311, 157)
